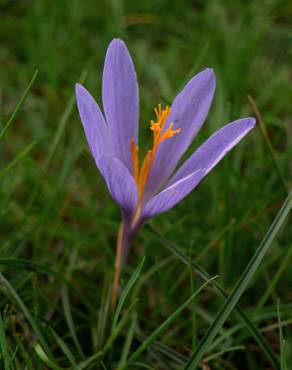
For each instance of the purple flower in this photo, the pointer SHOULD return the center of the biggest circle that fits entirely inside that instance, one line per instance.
(157, 184)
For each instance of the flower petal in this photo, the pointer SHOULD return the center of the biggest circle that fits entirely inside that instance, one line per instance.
(188, 113)
(120, 183)
(169, 197)
(120, 100)
(95, 128)
(215, 148)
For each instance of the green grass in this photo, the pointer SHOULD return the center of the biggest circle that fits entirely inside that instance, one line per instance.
(58, 224)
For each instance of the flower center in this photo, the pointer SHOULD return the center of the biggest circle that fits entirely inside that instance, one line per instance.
(142, 172)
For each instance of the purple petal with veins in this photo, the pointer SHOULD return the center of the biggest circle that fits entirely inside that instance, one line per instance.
(215, 148)
(95, 127)
(120, 183)
(120, 100)
(188, 113)
(173, 194)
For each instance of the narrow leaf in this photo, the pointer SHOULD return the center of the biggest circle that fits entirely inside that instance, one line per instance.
(64, 347)
(240, 286)
(33, 266)
(267, 140)
(162, 328)
(205, 276)
(126, 291)
(7, 288)
(62, 125)
(84, 364)
(281, 338)
(4, 354)
(18, 106)
(17, 159)
(42, 355)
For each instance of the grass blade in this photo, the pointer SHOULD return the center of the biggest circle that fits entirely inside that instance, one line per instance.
(121, 324)
(62, 125)
(18, 106)
(205, 276)
(125, 293)
(67, 306)
(281, 338)
(128, 341)
(267, 139)
(64, 347)
(272, 284)
(69, 319)
(157, 332)
(18, 158)
(166, 351)
(42, 355)
(194, 314)
(37, 267)
(87, 362)
(224, 351)
(12, 292)
(23, 352)
(3, 346)
(241, 285)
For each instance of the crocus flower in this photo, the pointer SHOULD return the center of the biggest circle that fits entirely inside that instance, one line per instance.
(144, 189)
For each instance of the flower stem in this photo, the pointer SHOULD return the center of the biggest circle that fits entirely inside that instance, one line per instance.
(124, 240)
(118, 262)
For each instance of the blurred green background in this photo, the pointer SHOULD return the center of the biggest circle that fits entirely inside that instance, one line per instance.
(55, 210)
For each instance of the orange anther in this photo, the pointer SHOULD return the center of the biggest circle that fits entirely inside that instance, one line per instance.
(141, 173)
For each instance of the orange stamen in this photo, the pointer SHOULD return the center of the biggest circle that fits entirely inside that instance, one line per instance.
(142, 172)
(135, 160)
